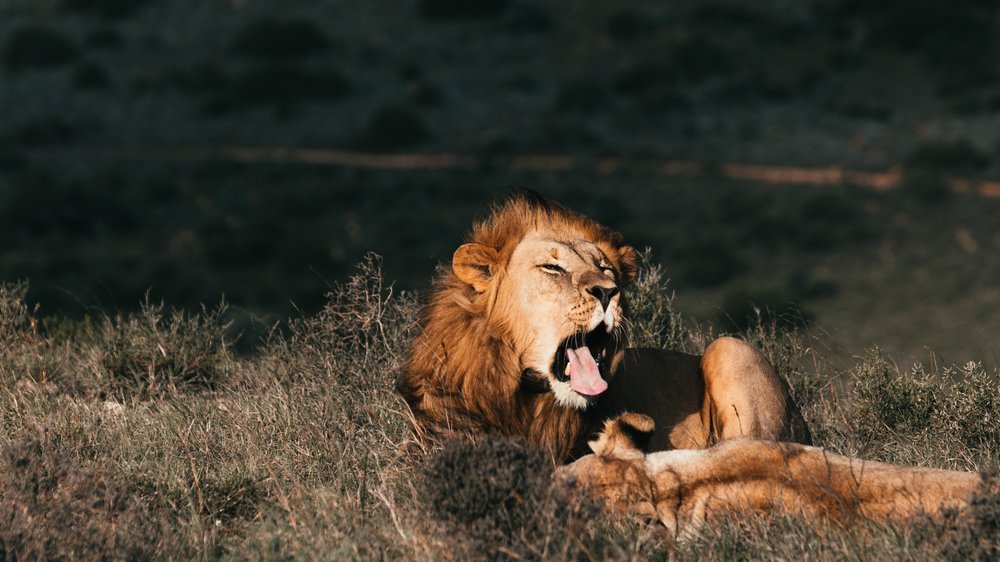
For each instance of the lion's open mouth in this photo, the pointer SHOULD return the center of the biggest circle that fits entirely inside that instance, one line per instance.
(581, 360)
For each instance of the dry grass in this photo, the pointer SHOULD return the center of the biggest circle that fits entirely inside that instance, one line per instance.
(146, 437)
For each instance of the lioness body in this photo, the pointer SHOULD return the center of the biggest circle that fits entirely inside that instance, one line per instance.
(524, 336)
(683, 489)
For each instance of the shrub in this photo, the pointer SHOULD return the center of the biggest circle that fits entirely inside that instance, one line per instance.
(894, 400)
(278, 85)
(942, 156)
(972, 408)
(16, 319)
(46, 131)
(924, 186)
(105, 37)
(392, 127)
(153, 354)
(91, 76)
(279, 38)
(52, 508)
(628, 25)
(584, 95)
(652, 320)
(495, 500)
(35, 46)
(446, 10)
(110, 9)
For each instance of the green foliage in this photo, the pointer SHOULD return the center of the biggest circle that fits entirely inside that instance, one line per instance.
(35, 46)
(392, 127)
(91, 76)
(452, 10)
(279, 85)
(108, 9)
(947, 157)
(925, 186)
(279, 38)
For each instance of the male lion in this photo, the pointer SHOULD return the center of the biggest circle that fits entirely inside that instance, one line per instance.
(524, 335)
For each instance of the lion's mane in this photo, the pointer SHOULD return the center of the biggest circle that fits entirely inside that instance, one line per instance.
(462, 373)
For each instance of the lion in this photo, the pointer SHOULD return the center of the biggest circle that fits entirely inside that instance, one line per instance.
(525, 335)
(685, 488)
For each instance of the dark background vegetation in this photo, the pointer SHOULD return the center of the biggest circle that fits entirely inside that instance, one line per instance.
(151, 161)
(112, 115)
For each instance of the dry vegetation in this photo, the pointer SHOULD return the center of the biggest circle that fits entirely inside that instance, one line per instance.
(146, 437)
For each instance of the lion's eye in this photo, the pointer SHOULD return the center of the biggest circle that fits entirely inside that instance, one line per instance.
(552, 268)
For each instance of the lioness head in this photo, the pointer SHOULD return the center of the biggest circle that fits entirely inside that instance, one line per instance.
(551, 281)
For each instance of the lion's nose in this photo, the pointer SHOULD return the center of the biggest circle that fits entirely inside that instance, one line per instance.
(603, 294)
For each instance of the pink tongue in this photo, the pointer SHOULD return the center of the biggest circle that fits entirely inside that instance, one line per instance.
(584, 376)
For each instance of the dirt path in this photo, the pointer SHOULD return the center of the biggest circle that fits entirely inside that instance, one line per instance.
(542, 163)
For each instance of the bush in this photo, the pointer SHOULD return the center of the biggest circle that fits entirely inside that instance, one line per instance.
(892, 399)
(496, 500)
(35, 46)
(448, 10)
(972, 408)
(91, 76)
(652, 320)
(628, 25)
(154, 354)
(924, 186)
(110, 9)
(279, 85)
(16, 319)
(950, 157)
(52, 508)
(279, 38)
(392, 127)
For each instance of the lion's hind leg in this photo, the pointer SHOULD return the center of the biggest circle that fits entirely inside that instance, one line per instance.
(745, 397)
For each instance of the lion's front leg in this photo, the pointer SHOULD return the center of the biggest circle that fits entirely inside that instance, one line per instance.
(744, 397)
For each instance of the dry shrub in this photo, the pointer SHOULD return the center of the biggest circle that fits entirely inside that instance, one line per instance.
(974, 534)
(892, 399)
(653, 322)
(155, 354)
(53, 508)
(495, 499)
(972, 408)
(364, 321)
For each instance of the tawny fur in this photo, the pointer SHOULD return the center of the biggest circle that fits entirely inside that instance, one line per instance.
(464, 371)
(684, 489)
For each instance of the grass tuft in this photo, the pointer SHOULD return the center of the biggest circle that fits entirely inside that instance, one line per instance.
(155, 354)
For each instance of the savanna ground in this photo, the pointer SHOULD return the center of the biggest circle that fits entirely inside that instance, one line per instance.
(145, 436)
(267, 428)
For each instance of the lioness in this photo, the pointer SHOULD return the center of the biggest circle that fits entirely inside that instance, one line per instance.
(684, 489)
(525, 335)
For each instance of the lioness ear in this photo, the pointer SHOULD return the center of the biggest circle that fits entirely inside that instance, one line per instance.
(629, 264)
(624, 437)
(474, 264)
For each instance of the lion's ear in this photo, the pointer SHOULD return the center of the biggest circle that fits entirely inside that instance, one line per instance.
(474, 265)
(628, 263)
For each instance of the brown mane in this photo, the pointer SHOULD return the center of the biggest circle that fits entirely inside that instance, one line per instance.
(462, 373)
